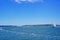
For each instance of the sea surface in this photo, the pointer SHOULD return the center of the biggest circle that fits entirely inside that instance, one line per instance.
(30, 33)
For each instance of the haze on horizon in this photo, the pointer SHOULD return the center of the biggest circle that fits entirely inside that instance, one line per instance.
(22, 12)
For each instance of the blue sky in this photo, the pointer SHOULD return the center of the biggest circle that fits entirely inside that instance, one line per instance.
(20, 12)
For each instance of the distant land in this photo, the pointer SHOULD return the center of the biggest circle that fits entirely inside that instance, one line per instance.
(28, 25)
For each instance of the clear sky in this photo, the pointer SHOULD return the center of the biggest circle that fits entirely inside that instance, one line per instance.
(19, 12)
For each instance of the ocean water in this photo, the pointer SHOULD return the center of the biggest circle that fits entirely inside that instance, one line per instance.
(30, 33)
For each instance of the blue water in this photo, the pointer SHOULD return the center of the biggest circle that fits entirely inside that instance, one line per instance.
(30, 33)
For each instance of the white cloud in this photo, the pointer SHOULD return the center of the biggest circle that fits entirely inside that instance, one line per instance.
(18, 1)
(32, 1)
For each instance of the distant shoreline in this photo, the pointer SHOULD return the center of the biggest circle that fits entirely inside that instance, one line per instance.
(28, 25)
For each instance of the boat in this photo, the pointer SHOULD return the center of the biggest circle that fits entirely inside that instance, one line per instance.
(54, 25)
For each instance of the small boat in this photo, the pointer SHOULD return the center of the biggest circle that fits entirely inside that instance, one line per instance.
(54, 25)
